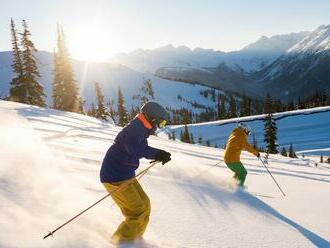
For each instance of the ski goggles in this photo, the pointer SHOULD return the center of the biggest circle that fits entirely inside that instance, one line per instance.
(162, 123)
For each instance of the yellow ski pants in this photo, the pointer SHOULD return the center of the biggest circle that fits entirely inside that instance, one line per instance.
(135, 206)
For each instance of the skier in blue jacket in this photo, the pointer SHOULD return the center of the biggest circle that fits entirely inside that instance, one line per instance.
(120, 163)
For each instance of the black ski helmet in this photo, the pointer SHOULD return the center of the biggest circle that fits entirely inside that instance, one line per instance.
(154, 112)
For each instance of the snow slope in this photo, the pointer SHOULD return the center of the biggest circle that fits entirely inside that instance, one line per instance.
(49, 166)
(308, 130)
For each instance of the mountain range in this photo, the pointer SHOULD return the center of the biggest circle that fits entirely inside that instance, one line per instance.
(288, 66)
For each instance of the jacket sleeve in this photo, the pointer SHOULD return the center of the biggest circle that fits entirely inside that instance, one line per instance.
(248, 147)
(136, 145)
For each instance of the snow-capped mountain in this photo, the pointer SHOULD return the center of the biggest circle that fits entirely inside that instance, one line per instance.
(302, 69)
(251, 58)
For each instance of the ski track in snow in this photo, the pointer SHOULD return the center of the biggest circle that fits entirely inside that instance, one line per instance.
(49, 171)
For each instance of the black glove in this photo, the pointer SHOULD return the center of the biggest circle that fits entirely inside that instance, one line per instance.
(163, 156)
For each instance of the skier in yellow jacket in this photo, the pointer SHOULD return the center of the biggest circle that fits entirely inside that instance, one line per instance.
(237, 142)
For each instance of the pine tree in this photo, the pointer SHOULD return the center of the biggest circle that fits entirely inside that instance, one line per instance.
(101, 111)
(185, 135)
(208, 143)
(270, 131)
(221, 106)
(283, 152)
(328, 160)
(321, 158)
(268, 105)
(121, 110)
(292, 154)
(146, 92)
(34, 90)
(92, 111)
(232, 107)
(111, 109)
(17, 91)
(65, 90)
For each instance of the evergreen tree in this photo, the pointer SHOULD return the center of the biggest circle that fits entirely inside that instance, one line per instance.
(292, 154)
(270, 131)
(268, 105)
(208, 143)
(146, 92)
(200, 140)
(17, 90)
(328, 160)
(34, 90)
(65, 90)
(232, 107)
(321, 158)
(121, 111)
(111, 109)
(92, 111)
(221, 106)
(101, 111)
(185, 135)
(283, 152)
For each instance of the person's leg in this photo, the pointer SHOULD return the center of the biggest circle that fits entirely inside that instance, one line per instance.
(240, 172)
(133, 208)
(145, 220)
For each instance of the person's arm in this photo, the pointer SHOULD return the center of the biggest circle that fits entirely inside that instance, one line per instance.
(249, 148)
(136, 145)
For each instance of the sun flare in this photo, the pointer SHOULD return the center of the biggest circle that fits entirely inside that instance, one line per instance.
(90, 44)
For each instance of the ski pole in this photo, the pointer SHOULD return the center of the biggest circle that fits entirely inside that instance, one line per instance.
(272, 176)
(138, 176)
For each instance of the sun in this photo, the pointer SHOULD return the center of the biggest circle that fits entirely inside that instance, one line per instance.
(90, 44)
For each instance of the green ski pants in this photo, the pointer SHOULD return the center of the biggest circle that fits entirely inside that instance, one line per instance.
(240, 171)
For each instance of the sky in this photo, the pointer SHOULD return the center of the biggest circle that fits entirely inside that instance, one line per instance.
(98, 29)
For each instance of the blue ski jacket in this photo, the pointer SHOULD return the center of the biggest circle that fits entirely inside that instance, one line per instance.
(122, 158)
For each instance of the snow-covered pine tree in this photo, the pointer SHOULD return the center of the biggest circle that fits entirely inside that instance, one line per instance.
(121, 110)
(270, 136)
(17, 89)
(65, 89)
(101, 111)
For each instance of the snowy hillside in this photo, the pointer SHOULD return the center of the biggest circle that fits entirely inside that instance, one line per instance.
(110, 77)
(49, 171)
(308, 130)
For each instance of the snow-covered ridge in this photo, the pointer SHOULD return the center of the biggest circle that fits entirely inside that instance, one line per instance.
(308, 130)
(316, 42)
(49, 171)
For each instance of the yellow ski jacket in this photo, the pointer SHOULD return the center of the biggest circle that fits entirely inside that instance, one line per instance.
(237, 142)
